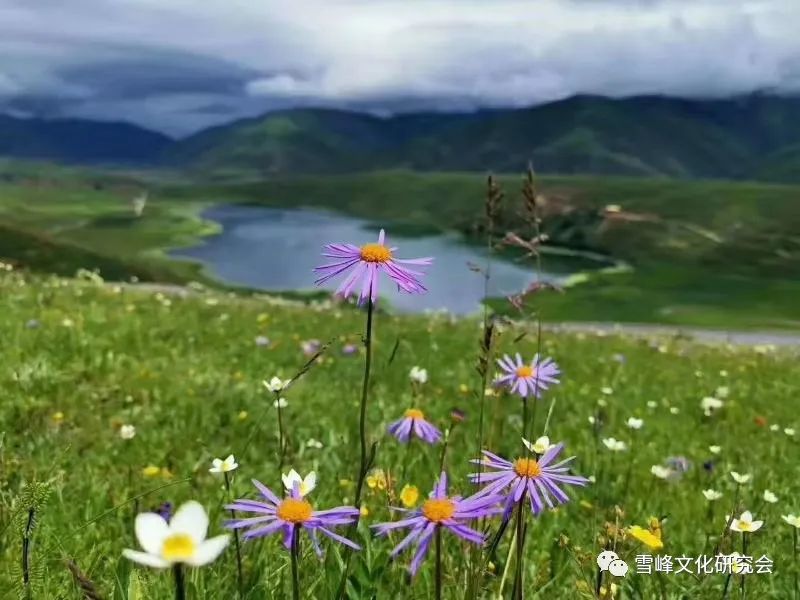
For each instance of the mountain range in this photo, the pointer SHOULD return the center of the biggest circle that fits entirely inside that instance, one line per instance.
(749, 137)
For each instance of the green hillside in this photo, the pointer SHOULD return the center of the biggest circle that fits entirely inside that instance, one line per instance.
(645, 136)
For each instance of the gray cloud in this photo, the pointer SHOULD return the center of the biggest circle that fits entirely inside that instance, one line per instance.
(180, 65)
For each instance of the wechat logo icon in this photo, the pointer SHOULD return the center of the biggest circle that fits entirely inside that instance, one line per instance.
(609, 561)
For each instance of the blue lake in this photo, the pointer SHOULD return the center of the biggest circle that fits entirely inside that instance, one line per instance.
(275, 250)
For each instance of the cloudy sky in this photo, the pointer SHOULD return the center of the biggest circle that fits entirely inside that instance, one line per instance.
(179, 65)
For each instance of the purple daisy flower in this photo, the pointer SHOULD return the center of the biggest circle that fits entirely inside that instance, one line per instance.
(413, 422)
(364, 264)
(536, 476)
(310, 347)
(439, 510)
(289, 514)
(530, 379)
(349, 349)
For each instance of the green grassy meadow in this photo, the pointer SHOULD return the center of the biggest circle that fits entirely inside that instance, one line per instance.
(80, 359)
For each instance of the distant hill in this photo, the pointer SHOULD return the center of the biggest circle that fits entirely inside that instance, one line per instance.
(749, 137)
(80, 141)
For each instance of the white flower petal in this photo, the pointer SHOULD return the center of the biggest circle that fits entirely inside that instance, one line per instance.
(191, 519)
(209, 550)
(309, 483)
(149, 560)
(290, 479)
(151, 531)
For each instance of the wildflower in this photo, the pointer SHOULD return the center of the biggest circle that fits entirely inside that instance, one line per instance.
(620, 358)
(652, 404)
(592, 420)
(774, 427)
(540, 446)
(181, 540)
(413, 422)
(224, 466)
(165, 510)
(127, 432)
(418, 375)
(661, 472)
(32, 324)
(376, 479)
(463, 388)
(349, 349)
(760, 421)
(602, 402)
(792, 520)
(440, 510)
(409, 495)
(646, 537)
(722, 391)
(607, 390)
(523, 379)
(280, 403)
(242, 415)
(67, 322)
(770, 497)
(715, 449)
(634, 423)
(262, 341)
(614, 445)
(290, 515)
(58, 417)
(276, 384)
(310, 347)
(789, 431)
(305, 485)
(314, 443)
(151, 471)
(740, 479)
(363, 511)
(536, 476)
(679, 464)
(365, 264)
(457, 415)
(745, 523)
(674, 410)
(712, 495)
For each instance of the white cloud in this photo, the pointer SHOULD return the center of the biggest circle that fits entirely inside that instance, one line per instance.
(374, 54)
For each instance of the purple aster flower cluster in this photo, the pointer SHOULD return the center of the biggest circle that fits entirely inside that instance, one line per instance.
(414, 423)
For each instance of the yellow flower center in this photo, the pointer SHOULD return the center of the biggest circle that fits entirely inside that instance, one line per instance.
(375, 253)
(294, 511)
(414, 413)
(438, 510)
(178, 547)
(745, 526)
(525, 371)
(527, 467)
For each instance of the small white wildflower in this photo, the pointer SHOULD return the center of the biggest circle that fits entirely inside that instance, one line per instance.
(722, 391)
(634, 423)
(313, 443)
(615, 445)
(774, 427)
(127, 432)
(709, 404)
(770, 497)
(715, 449)
(305, 484)
(792, 520)
(652, 404)
(745, 523)
(280, 403)
(418, 375)
(789, 431)
(224, 466)
(276, 384)
(741, 478)
(660, 471)
(674, 410)
(712, 495)
(602, 402)
(607, 390)
(540, 446)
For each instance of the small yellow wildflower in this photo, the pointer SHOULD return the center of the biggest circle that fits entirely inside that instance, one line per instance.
(608, 592)
(364, 511)
(463, 388)
(166, 473)
(646, 537)
(58, 417)
(586, 504)
(151, 471)
(242, 415)
(409, 495)
(262, 318)
(377, 479)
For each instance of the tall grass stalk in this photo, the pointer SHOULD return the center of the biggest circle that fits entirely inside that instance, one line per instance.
(239, 571)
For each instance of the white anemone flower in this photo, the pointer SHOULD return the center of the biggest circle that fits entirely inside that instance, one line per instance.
(741, 478)
(418, 375)
(540, 446)
(306, 484)
(127, 432)
(224, 466)
(709, 404)
(770, 497)
(615, 445)
(789, 431)
(792, 520)
(182, 540)
(745, 523)
(715, 449)
(276, 384)
(634, 423)
(712, 495)
(660, 471)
